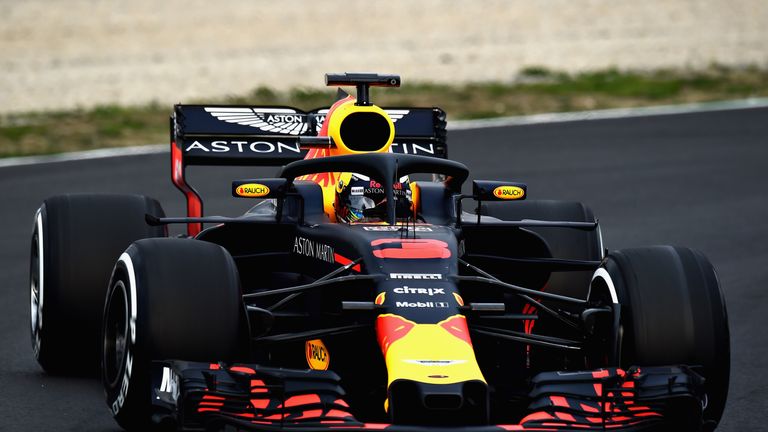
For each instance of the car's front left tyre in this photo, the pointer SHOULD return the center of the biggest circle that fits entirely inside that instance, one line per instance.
(673, 313)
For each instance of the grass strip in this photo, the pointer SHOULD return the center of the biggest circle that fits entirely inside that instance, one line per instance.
(534, 90)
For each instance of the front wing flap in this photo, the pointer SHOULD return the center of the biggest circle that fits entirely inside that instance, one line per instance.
(653, 398)
(210, 396)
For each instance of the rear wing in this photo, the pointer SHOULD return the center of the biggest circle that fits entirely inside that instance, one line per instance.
(269, 136)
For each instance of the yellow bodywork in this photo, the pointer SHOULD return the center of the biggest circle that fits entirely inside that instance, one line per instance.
(431, 354)
(340, 113)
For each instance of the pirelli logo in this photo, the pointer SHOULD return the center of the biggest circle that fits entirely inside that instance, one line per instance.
(416, 276)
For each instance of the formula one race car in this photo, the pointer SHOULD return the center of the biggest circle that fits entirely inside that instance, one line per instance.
(353, 297)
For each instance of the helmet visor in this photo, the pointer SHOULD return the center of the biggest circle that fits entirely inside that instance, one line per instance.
(359, 203)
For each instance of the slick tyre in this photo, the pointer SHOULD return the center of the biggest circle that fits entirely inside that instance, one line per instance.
(75, 242)
(562, 242)
(673, 313)
(167, 299)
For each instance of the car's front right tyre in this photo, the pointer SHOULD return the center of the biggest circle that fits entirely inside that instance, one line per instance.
(75, 241)
(167, 299)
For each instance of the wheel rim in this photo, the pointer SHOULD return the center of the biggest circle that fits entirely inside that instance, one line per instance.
(115, 334)
(36, 285)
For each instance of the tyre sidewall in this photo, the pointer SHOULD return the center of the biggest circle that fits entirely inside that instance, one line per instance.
(128, 398)
(38, 278)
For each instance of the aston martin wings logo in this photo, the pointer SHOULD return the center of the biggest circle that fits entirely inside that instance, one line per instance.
(284, 121)
(394, 114)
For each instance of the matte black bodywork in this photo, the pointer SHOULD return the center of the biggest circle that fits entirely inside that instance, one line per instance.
(306, 278)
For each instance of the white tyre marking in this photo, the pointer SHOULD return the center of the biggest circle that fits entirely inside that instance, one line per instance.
(603, 274)
(36, 301)
(118, 403)
(126, 259)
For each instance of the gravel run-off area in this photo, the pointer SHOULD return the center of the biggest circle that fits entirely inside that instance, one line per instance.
(80, 53)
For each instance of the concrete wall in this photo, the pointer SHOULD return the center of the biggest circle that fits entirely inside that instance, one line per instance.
(61, 54)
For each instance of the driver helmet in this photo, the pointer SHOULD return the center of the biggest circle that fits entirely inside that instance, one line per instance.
(362, 199)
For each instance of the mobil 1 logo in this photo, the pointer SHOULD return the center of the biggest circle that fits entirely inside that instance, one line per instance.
(422, 305)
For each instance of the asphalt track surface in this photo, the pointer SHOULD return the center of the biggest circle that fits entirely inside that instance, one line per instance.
(698, 180)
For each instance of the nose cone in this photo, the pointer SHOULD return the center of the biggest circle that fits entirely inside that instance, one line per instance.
(432, 369)
(430, 353)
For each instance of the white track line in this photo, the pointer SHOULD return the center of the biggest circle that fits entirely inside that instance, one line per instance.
(609, 114)
(84, 155)
(452, 125)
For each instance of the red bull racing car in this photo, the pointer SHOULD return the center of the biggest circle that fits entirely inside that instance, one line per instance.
(354, 297)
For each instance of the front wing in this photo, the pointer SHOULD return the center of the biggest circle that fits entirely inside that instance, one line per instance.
(196, 396)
